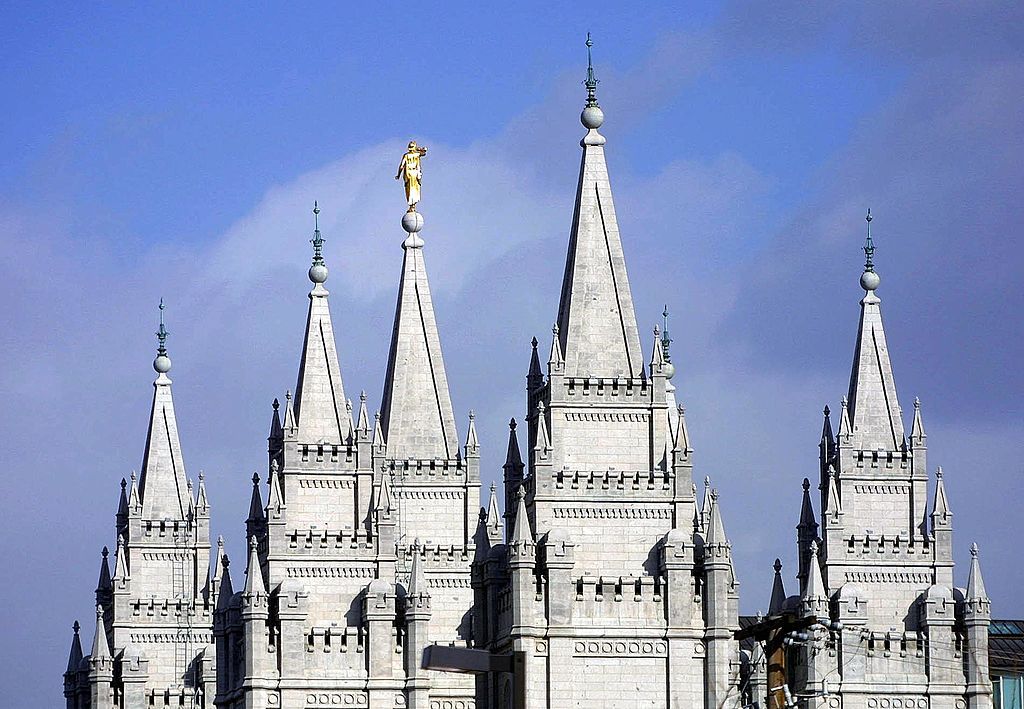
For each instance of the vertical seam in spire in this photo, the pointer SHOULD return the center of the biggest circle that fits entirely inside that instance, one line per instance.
(885, 389)
(430, 363)
(330, 379)
(615, 282)
(174, 463)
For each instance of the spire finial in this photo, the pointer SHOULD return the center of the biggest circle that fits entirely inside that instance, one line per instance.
(591, 81)
(161, 334)
(162, 363)
(869, 279)
(666, 341)
(592, 116)
(974, 550)
(318, 271)
(76, 627)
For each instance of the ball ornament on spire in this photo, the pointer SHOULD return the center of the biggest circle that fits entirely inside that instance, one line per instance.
(162, 363)
(318, 271)
(412, 222)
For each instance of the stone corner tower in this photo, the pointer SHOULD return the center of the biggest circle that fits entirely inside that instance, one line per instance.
(154, 615)
(878, 571)
(610, 572)
(360, 556)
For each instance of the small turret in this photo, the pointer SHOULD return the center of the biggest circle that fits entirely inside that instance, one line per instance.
(534, 377)
(75, 656)
(275, 441)
(778, 599)
(814, 599)
(555, 361)
(513, 475)
(495, 529)
(254, 585)
(806, 533)
(826, 445)
(100, 644)
(104, 587)
(256, 522)
(977, 618)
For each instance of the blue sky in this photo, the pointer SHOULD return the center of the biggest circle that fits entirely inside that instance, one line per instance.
(176, 152)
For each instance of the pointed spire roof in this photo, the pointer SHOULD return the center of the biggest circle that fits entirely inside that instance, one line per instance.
(319, 393)
(917, 434)
(417, 406)
(363, 423)
(256, 514)
(481, 540)
(521, 531)
(275, 500)
(100, 646)
(555, 359)
(513, 458)
(104, 584)
(778, 599)
(472, 441)
(122, 503)
(975, 583)
(597, 323)
(121, 562)
(815, 589)
(807, 520)
(493, 516)
(226, 590)
(706, 505)
(543, 442)
(940, 506)
(276, 432)
(833, 506)
(218, 559)
(162, 486)
(535, 373)
(827, 438)
(254, 574)
(202, 502)
(682, 433)
(417, 577)
(384, 503)
(75, 656)
(874, 409)
(716, 529)
(290, 422)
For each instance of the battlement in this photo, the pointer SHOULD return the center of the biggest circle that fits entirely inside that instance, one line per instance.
(176, 696)
(882, 458)
(325, 455)
(621, 389)
(611, 480)
(315, 539)
(336, 639)
(893, 547)
(174, 610)
(426, 468)
(439, 555)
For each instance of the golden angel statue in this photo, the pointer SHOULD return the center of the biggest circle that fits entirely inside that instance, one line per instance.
(409, 168)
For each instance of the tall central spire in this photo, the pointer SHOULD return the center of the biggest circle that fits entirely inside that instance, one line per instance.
(417, 407)
(162, 486)
(319, 393)
(596, 321)
(875, 414)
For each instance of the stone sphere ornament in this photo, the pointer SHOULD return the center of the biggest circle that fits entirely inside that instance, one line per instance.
(592, 117)
(162, 364)
(869, 280)
(318, 273)
(412, 222)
